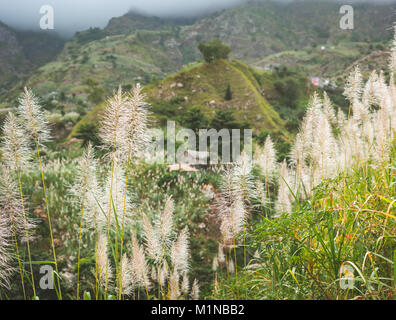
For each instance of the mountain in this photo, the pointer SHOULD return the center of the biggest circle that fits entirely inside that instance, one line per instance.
(269, 102)
(201, 86)
(135, 48)
(328, 61)
(133, 21)
(262, 28)
(12, 60)
(21, 52)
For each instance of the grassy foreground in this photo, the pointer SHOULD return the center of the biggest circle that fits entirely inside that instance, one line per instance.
(112, 224)
(349, 222)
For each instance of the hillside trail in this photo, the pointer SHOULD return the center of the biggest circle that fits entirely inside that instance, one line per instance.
(347, 71)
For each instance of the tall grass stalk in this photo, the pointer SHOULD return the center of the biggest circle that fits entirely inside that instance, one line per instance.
(36, 125)
(15, 150)
(123, 223)
(26, 231)
(49, 217)
(18, 258)
(79, 251)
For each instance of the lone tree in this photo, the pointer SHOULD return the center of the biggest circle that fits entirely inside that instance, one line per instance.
(228, 94)
(195, 119)
(214, 50)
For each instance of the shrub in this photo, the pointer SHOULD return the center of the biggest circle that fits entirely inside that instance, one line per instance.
(214, 50)
(195, 119)
(228, 95)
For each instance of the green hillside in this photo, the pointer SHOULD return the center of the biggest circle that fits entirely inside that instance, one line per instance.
(136, 48)
(22, 52)
(331, 61)
(202, 86)
(131, 22)
(268, 102)
(109, 61)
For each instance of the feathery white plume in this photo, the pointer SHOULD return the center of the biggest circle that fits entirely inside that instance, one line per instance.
(152, 241)
(174, 289)
(326, 150)
(297, 155)
(166, 223)
(221, 255)
(112, 128)
(33, 117)
(12, 207)
(6, 269)
(215, 264)
(180, 252)
(266, 159)
(283, 204)
(135, 124)
(154, 273)
(242, 179)
(125, 276)
(195, 290)
(261, 194)
(230, 266)
(139, 267)
(86, 188)
(232, 219)
(124, 125)
(353, 87)
(115, 186)
(14, 144)
(103, 267)
(163, 273)
(185, 286)
(328, 109)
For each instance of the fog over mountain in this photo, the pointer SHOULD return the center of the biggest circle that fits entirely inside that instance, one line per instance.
(75, 15)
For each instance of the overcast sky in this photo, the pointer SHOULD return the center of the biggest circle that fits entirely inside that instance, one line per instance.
(76, 15)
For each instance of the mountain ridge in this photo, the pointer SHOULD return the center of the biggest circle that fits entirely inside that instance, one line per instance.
(140, 50)
(22, 52)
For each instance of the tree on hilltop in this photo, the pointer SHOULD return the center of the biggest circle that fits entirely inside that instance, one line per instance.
(214, 50)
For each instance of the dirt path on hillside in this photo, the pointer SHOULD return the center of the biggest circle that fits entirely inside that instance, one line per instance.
(347, 71)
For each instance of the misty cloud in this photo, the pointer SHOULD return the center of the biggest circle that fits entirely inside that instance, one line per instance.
(76, 15)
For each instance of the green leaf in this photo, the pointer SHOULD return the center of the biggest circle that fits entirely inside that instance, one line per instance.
(116, 216)
(39, 262)
(87, 295)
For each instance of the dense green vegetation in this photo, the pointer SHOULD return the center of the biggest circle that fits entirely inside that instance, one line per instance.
(310, 216)
(200, 86)
(349, 221)
(195, 97)
(150, 195)
(298, 239)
